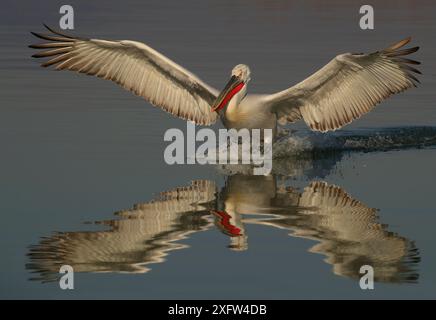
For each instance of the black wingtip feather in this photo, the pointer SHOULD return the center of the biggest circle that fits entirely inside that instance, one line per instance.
(397, 56)
(51, 38)
(402, 52)
(405, 60)
(37, 35)
(47, 27)
(413, 77)
(57, 32)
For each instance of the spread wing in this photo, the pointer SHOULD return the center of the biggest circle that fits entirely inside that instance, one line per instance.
(346, 88)
(137, 68)
(140, 236)
(348, 232)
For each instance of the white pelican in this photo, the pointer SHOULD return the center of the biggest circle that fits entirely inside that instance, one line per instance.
(343, 90)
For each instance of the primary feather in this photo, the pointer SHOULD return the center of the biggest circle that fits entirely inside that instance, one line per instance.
(347, 87)
(137, 68)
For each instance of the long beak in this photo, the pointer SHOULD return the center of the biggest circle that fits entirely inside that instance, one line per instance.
(232, 87)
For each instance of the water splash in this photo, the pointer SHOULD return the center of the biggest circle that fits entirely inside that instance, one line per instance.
(363, 140)
(314, 155)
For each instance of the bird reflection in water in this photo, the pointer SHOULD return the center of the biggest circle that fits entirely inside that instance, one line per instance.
(348, 233)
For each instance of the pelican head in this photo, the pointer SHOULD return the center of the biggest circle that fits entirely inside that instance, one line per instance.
(239, 78)
(242, 71)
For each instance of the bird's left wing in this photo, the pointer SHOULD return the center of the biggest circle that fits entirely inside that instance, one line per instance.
(346, 88)
(137, 68)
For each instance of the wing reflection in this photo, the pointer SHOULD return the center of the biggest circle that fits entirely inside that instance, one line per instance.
(347, 232)
(143, 235)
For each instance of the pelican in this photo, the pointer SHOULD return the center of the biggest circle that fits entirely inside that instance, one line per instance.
(346, 88)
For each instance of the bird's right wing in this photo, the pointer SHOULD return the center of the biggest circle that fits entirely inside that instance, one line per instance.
(137, 68)
(192, 198)
(142, 235)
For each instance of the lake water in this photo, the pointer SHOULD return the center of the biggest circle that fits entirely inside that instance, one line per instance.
(84, 182)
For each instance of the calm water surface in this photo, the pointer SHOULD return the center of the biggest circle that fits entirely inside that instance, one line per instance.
(83, 181)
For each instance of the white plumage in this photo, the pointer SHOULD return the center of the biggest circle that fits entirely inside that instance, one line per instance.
(346, 88)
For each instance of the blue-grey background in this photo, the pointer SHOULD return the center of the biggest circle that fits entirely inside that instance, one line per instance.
(75, 148)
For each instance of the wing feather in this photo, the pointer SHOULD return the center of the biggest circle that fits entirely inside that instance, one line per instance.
(347, 87)
(137, 68)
